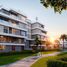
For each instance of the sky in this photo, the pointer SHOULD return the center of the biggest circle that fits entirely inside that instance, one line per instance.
(55, 23)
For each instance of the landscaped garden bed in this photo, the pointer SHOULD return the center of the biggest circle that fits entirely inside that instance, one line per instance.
(52, 61)
(61, 61)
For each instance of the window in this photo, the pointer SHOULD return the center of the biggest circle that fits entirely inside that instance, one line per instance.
(22, 25)
(13, 48)
(2, 47)
(16, 31)
(42, 26)
(10, 30)
(5, 29)
(23, 33)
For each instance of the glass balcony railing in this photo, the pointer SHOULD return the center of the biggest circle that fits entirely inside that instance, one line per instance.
(12, 43)
(11, 25)
(12, 17)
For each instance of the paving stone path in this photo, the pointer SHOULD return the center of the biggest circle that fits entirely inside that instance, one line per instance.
(27, 62)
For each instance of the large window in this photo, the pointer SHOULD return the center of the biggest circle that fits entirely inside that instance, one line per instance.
(1, 39)
(10, 30)
(15, 31)
(5, 29)
(6, 39)
(2, 47)
(23, 33)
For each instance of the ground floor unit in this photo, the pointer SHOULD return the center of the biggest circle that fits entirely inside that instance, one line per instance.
(11, 44)
(11, 48)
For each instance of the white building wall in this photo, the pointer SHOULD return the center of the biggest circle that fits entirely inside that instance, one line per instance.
(29, 28)
(1, 29)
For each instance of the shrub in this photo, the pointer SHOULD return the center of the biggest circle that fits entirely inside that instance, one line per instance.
(56, 63)
(15, 53)
(64, 58)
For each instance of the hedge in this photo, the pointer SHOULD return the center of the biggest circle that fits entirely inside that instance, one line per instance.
(64, 58)
(56, 63)
(15, 53)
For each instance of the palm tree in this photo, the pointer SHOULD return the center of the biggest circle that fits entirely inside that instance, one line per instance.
(63, 37)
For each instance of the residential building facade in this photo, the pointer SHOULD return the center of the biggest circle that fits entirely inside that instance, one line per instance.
(17, 32)
(63, 46)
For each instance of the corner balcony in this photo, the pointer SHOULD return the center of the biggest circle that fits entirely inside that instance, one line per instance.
(9, 24)
(38, 33)
(42, 29)
(11, 17)
(37, 27)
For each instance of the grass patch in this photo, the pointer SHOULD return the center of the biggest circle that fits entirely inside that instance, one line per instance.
(8, 58)
(42, 62)
(48, 52)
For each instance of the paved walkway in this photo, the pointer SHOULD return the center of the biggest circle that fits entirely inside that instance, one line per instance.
(27, 62)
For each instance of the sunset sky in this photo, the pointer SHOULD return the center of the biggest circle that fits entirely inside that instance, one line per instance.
(55, 23)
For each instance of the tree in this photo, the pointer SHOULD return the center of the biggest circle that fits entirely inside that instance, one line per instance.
(37, 42)
(58, 5)
(63, 37)
(56, 43)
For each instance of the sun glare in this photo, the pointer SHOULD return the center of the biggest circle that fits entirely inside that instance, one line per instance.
(52, 39)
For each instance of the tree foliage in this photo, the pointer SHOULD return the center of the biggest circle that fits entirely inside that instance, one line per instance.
(37, 41)
(58, 5)
(63, 36)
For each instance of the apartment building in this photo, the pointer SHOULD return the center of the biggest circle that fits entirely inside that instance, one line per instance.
(38, 30)
(17, 32)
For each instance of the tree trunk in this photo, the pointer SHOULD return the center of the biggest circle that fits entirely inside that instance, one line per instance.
(63, 44)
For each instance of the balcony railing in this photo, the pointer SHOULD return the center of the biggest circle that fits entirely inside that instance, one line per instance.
(37, 27)
(13, 35)
(12, 44)
(9, 24)
(38, 33)
(14, 18)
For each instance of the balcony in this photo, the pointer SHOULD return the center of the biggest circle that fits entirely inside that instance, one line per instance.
(13, 35)
(12, 44)
(11, 17)
(38, 33)
(9, 24)
(37, 27)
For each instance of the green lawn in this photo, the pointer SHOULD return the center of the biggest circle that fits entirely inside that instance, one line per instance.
(6, 59)
(48, 52)
(43, 61)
